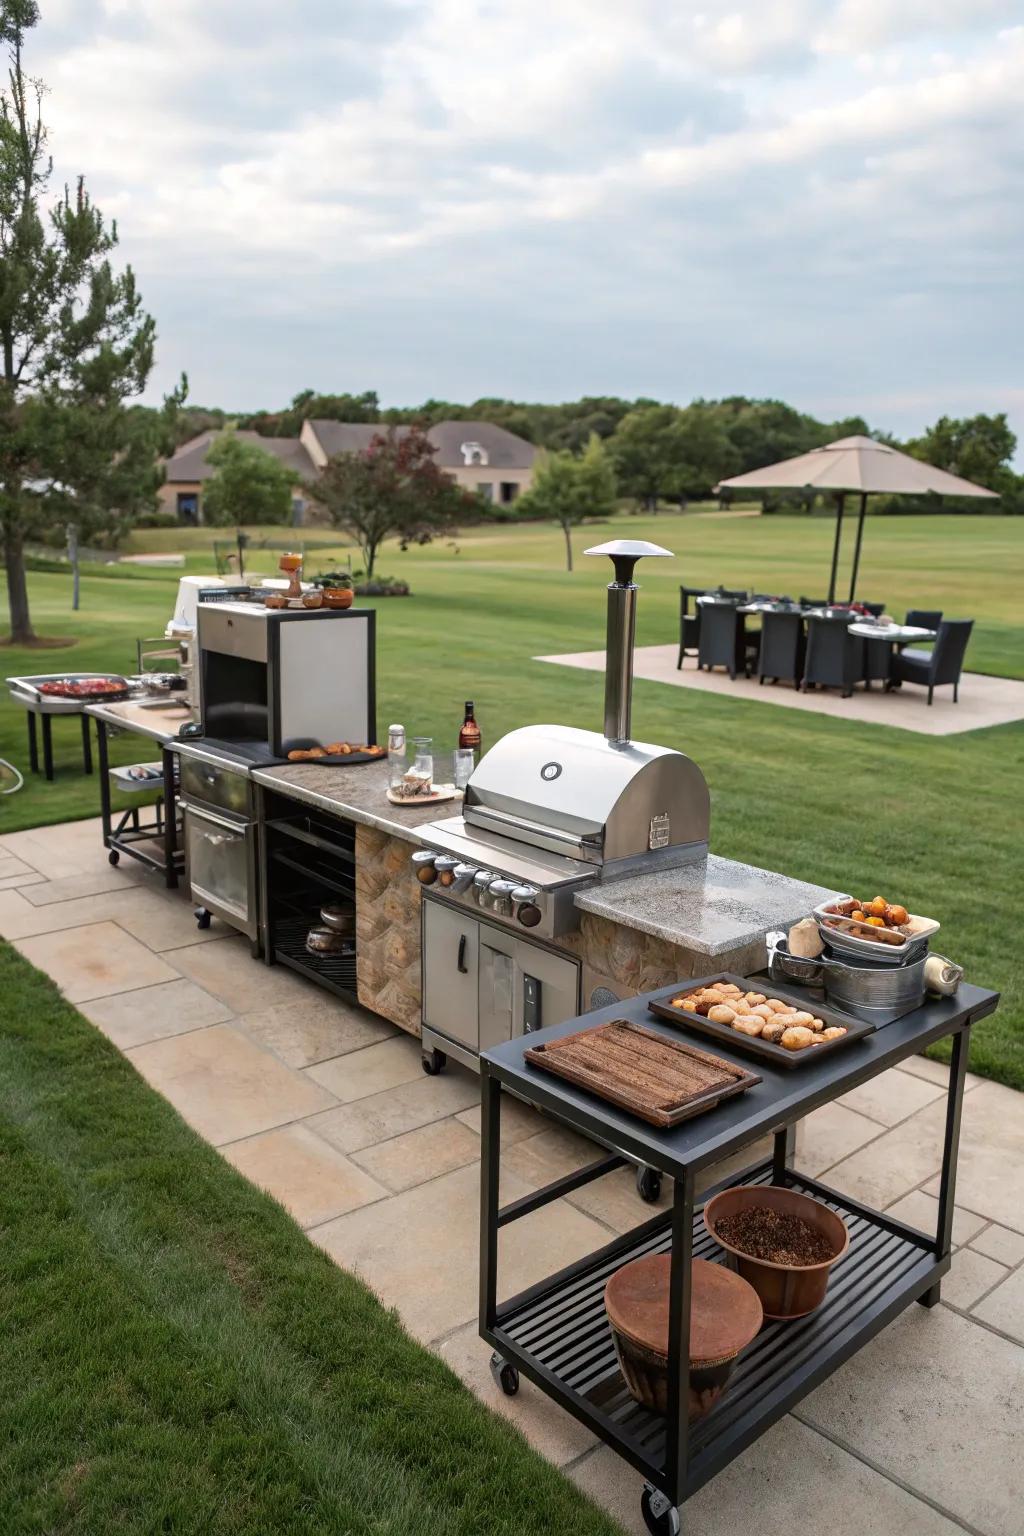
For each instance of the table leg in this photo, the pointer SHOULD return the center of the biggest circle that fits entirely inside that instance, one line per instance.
(102, 758)
(950, 1146)
(170, 823)
(33, 741)
(781, 1154)
(678, 1425)
(86, 745)
(490, 1161)
(48, 748)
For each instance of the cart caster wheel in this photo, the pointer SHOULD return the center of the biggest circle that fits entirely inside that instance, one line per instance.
(505, 1374)
(433, 1062)
(648, 1184)
(113, 857)
(202, 917)
(660, 1517)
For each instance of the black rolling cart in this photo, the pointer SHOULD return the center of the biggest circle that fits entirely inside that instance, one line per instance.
(556, 1332)
(131, 833)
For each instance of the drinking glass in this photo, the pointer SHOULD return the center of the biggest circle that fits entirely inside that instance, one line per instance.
(423, 759)
(464, 764)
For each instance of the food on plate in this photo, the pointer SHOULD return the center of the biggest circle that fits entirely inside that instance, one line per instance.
(897, 915)
(721, 1013)
(796, 1037)
(306, 754)
(884, 921)
(756, 1015)
(80, 687)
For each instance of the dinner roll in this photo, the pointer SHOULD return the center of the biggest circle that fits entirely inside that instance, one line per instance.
(797, 1037)
(721, 1013)
(748, 1024)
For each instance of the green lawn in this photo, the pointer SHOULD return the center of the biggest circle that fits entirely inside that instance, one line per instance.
(178, 1357)
(934, 822)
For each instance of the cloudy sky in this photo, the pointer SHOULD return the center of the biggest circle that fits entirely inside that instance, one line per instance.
(821, 200)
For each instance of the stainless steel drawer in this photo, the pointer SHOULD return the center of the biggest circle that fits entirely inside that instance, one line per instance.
(226, 789)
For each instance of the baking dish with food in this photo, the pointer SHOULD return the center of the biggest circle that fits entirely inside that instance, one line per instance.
(880, 945)
(735, 1039)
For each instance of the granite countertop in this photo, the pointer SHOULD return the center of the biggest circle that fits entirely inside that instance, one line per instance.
(358, 794)
(709, 907)
(159, 722)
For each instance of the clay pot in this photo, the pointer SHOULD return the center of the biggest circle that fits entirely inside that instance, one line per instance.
(786, 1291)
(277, 600)
(338, 597)
(725, 1315)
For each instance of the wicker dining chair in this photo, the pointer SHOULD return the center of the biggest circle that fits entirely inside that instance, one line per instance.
(835, 658)
(689, 623)
(722, 638)
(782, 647)
(943, 664)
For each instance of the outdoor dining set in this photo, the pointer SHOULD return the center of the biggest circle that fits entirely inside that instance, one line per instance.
(813, 644)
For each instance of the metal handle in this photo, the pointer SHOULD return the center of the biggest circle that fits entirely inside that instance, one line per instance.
(239, 829)
(461, 962)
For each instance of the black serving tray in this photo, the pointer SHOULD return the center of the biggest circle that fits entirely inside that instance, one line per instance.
(856, 1029)
(331, 759)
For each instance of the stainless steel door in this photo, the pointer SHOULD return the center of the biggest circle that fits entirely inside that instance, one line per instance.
(497, 989)
(547, 988)
(451, 954)
(220, 858)
(203, 778)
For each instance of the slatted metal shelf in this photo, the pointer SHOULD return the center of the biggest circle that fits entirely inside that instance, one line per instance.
(335, 972)
(558, 1334)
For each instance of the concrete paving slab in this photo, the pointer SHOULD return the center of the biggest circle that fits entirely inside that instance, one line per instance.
(1001, 1244)
(793, 1480)
(891, 1097)
(375, 1068)
(312, 1180)
(95, 960)
(378, 1118)
(153, 1013)
(97, 882)
(935, 1072)
(224, 1086)
(992, 1155)
(922, 1211)
(970, 1278)
(829, 1134)
(419, 1155)
(896, 1162)
(227, 969)
(518, 1120)
(936, 1401)
(1003, 1308)
(420, 1250)
(984, 701)
(323, 1027)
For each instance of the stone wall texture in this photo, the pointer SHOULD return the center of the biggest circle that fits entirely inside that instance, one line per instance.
(387, 928)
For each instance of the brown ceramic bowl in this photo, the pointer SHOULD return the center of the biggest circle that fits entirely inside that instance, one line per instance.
(276, 600)
(338, 597)
(786, 1291)
(725, 1316)
(312, 599)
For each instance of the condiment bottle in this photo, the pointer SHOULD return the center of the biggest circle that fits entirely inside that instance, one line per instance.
(469, 734)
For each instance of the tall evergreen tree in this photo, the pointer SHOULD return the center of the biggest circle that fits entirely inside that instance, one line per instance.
(75, 342)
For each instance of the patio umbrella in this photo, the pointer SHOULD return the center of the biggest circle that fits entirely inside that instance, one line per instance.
(860, 466)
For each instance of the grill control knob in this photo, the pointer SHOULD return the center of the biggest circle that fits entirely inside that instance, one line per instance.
(445, 866)
(499, 894)
(525, 893)
(464, 874)
(423, 864)
(481, 880)
(529, 914)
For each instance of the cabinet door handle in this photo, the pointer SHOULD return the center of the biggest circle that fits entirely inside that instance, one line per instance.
(461, 962)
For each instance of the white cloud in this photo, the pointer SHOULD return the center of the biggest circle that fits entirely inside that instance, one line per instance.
(617, 169)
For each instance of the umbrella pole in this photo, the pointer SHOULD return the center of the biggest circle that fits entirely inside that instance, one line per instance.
(840, 500)
(856, 547)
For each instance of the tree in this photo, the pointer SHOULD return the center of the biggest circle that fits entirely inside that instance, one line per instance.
(569, 489)
(248, 484)
(393, 487)
(75, 342)
(979, 448)
(660, 450)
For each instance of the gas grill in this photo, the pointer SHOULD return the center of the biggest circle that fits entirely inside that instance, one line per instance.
(548, 811)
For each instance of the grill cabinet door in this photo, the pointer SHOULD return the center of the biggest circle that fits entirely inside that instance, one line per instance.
(547, 989)
(218, 864)
(451, 951)
(497, 986)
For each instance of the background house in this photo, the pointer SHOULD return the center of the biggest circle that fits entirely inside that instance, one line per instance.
(480, 457)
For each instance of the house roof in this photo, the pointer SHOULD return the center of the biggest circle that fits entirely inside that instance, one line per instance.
(504, 449)
(189, 465)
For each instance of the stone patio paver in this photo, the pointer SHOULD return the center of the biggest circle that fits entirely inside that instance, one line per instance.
(227, 969)
(323, 1027)
(791, 1482)
(153, 1013)
(95, 960)
(990, 1174)
(311, 1179)
(371, 1070)
(351, 1127)
(971, 1277)
(922, 1211)
(829, 1134)
(419, 1155)
(938, 1402)
(1003, 1308)
(891, 1097)
(98, 883)
(896, 1161)
(518, 1120)
(1002, 1244)
(224, 1085)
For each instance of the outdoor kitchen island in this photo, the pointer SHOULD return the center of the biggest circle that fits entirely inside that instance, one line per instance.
(636, 934)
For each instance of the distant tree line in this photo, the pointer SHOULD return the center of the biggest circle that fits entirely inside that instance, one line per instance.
(668, 453)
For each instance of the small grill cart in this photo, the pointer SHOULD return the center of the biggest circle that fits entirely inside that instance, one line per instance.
(557, 1333)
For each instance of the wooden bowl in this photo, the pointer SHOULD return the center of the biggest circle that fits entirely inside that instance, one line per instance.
(786, 1290)
(338, 597)
(725, 1316)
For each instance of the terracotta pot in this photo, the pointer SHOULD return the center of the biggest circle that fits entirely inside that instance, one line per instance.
(725, 1315)
(786, 1291)
(338, 597)
(277, 600)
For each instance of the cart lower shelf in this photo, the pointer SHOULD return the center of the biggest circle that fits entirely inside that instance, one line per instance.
(557, 1333)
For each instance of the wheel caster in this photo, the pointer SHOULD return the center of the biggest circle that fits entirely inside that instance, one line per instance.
(660, 1517)
(648, 1184)
(505, 1374)
(202, 917)
(113, 857)
(433, 1062)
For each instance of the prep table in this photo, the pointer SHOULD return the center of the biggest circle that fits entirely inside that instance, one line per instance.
(45, 706)
(157, 721)
(557, 1332)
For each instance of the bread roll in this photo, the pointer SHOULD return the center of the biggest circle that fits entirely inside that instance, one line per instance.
(748, 1024)
(817, 1025)
(797, 1037)
(834, 1033)
(778, 1006)
(763, 1010)
(773, 1032)
(806, 1019)
(721, 1013)
(728, 989)
(753, 998)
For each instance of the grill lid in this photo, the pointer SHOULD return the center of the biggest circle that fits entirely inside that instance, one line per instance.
(574, 792)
